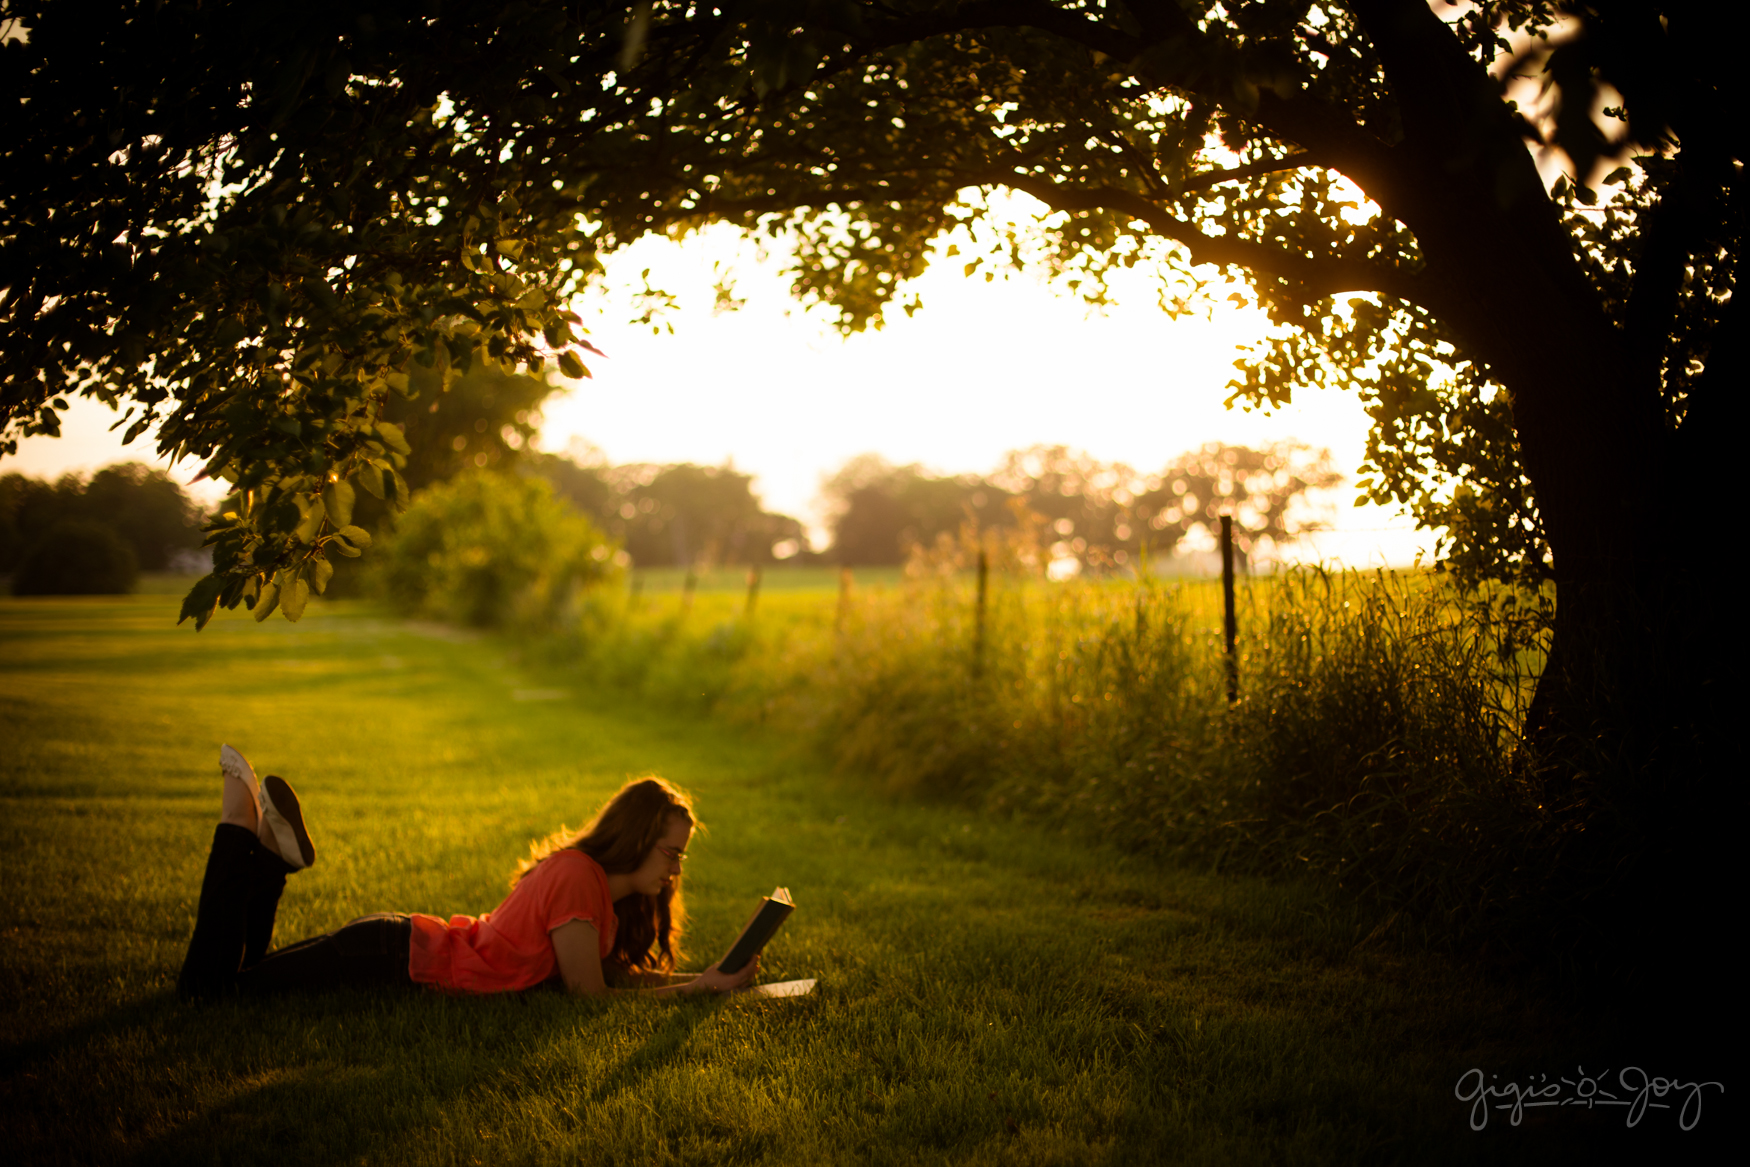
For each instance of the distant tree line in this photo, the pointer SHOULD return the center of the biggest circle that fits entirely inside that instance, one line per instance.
(1099, 515)
(679, 515)
(78, 536)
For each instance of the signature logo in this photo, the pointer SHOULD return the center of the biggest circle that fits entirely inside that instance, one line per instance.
(1635, 1092)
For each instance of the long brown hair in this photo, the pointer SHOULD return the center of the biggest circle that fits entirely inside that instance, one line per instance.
(620, 838)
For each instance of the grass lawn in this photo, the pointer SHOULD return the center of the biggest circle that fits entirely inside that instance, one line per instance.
(988, 993)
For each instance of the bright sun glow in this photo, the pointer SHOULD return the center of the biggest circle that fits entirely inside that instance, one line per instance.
(983, 368)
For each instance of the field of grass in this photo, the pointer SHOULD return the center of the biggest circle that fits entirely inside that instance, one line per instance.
(989, 991)
(1372, 745)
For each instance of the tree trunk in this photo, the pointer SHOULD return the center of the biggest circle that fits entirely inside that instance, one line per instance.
(1590, 418)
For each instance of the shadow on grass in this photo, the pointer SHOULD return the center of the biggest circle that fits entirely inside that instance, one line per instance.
(301, 1079)
(663, 1047)
(316, 1079)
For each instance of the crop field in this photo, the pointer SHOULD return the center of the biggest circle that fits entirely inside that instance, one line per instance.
(991, 990)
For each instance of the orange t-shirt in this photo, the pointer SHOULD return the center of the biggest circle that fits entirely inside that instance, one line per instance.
(509, 948)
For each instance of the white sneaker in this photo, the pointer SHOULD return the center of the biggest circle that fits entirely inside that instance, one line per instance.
(234, 765)
(282, 824)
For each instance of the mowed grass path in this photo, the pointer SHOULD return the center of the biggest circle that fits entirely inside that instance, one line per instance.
(988, 993)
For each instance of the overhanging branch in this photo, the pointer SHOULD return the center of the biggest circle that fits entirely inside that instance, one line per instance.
(1308, 278)
(1316, 126)
(1038, 14)
(1211, 178)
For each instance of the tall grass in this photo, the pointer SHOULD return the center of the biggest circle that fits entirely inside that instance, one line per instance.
(1373, 746)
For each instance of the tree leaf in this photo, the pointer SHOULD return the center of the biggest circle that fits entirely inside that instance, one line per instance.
(293, 598)
(338, 498)
(393, 437)
(202, 601)
(402, 495)
(357, 536)
(321, 571)
(314, 513)
(371, 478)
(268, 601)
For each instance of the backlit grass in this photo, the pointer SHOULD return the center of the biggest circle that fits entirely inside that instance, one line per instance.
(988, 992)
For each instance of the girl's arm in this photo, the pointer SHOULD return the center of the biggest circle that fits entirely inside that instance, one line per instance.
(577, 946)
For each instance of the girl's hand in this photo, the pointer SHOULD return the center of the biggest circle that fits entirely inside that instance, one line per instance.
(711, 980)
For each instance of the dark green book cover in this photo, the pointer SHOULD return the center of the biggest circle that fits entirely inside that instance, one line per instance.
(767, 918)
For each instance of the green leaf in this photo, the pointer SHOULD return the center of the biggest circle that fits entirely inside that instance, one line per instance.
(571, 366)
(314, 513)
(293, 597)
(393, 437)
(371, 478)
(357, 536)
(345, 548)
(338, 498)
(202, 601)
(321, 571)
(402, 497)
(270, 598)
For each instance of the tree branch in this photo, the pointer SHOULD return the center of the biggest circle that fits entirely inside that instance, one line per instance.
(766, 204)
(1211, 178)
(1308, 278)
(1317, 126)
(1037, 14)
(1455, 121)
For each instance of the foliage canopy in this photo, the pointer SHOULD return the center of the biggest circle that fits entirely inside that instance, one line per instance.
(254, 227)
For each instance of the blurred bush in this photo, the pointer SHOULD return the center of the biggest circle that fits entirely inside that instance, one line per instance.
(492, 551)
(145, 507)
(74, 558)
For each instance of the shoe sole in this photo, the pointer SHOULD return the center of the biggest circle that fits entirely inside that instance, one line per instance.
(290, 815)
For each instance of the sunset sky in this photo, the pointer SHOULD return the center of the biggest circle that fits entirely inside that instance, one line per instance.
(982, 369)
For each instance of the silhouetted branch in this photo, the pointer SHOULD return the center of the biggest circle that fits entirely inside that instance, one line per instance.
(1312, 278)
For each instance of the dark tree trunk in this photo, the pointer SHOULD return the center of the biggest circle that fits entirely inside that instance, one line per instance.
(1588, 409)
(1628, 718)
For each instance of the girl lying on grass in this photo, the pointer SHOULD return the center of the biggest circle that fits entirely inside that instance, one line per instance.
(608, 899)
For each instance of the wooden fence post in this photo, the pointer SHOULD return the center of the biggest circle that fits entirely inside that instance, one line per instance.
(1229, 626)
(753, 588)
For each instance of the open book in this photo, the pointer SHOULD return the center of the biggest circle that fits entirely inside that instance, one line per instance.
(764, 924)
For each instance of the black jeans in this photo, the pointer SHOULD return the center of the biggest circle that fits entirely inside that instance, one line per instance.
(234, 925)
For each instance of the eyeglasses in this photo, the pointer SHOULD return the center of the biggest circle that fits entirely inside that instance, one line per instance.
(671, 854)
